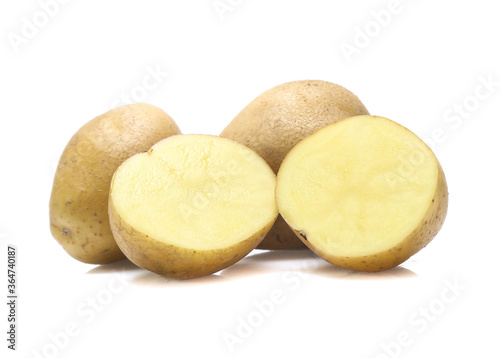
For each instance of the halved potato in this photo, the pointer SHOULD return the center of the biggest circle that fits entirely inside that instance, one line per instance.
(364, 193)
(192, 205)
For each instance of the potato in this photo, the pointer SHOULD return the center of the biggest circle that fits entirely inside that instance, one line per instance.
(278, 119)
(192, 205)
(363, 193)
(79, 201)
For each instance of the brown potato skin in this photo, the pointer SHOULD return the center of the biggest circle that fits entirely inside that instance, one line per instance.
(172, 261)
(274, 122)
(78, 206)
(417, 240)
(281, 237)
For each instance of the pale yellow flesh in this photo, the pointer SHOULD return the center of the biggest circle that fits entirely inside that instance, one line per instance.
(357, 187)
(196, 192)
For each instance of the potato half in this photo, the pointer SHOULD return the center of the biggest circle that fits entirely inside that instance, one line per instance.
(364, 193)
(192, 205)
(278, 119)
(79, 201)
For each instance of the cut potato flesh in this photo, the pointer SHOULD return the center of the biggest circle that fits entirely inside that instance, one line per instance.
(363, 193)
(192, 205)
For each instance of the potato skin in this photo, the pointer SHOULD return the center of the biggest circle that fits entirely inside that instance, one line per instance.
(274, 122)
(417, 240)
(172, 261)
(78, 206)
(281, 237)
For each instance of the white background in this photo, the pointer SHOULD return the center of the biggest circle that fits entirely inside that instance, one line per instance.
(423, 67)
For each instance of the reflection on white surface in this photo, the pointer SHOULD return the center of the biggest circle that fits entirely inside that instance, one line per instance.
(257, 263)
(151, 279)
(306, 262)
(115, 267)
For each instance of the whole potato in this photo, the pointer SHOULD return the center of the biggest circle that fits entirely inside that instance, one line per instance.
(274, 122)
(79, 202)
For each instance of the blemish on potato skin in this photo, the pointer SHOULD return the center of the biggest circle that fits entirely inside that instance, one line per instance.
(87, 241)
(303, 235)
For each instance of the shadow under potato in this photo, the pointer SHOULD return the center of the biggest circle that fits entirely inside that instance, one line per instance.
(115, 267)
(265, 262)
(307, 262)
(151, 279)
(335, 272)
(281, 255)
